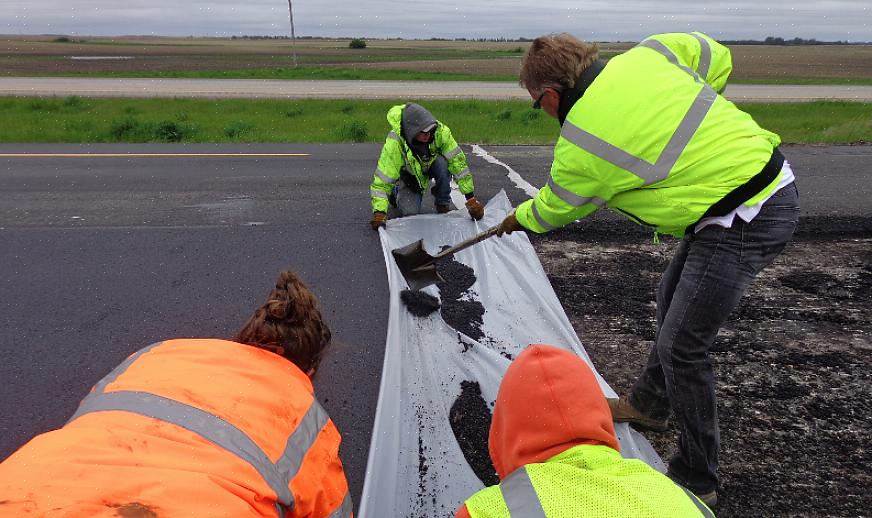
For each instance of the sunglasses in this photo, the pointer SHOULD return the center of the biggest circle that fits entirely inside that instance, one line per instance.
(537, 104)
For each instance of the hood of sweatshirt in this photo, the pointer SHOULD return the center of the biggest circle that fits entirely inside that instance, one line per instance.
(549, 401)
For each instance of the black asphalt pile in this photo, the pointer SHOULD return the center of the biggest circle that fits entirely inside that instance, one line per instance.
(470, 419)
(419, 303)
(792, 362)
(463, 315)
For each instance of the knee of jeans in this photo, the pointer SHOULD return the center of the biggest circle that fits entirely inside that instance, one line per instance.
(408, 206)
(438, 168)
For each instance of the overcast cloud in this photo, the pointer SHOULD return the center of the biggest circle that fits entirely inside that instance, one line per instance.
(596, 20)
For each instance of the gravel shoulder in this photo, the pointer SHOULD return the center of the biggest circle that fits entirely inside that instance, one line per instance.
(792, 363)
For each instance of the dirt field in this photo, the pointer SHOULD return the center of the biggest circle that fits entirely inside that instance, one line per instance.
(794, 375)
(22, 56)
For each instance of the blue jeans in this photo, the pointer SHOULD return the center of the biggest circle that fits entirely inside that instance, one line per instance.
(701, 286)
(409, 200)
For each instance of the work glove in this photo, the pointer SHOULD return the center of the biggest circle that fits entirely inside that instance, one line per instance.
(475, 208)
(379, 220)
(509, 225)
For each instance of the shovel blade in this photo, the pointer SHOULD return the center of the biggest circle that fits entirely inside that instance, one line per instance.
(417, 266)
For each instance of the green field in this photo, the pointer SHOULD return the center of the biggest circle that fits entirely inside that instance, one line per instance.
(304, 72)
(380, 59)
(81, 120)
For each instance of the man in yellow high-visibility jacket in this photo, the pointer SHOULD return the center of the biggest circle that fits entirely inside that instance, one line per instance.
(418, 149)
(648, 135)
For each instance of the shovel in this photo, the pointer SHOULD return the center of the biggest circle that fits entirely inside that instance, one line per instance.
(419, 268)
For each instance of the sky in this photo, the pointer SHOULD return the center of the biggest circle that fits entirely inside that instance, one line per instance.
(615, 20)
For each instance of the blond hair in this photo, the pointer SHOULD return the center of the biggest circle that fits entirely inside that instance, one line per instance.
(555, 61)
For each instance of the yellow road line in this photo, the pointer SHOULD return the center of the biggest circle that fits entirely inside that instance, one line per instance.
(103, 155)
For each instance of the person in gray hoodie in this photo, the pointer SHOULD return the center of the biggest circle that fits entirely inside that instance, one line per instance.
(417, 149)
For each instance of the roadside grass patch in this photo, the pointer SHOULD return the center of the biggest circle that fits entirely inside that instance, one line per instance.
(44, 105)
(530, 116)
(131, 129)
(74, 102)
(325, 121)
(354, 131)
(238, 129)
(824, 122)
(171, 131)
(293, 112)
(126, 129)
(504, 115)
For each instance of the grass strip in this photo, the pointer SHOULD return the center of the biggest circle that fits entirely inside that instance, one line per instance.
(97, 120)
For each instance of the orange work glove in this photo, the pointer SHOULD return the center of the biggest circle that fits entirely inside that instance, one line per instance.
(475, 208)
(509, 225)
(378, 220)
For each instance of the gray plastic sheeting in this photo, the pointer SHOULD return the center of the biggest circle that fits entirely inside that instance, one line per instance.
(415, 466)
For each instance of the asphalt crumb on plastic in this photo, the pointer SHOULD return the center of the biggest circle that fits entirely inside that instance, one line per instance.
(464, 315)
(470, 419)
(423, 467)
(419, 303)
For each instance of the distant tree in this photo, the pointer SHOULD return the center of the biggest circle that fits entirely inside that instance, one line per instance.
(357, 43)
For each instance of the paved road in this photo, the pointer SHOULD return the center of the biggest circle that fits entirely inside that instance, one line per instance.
(298, 89)
(107, 248)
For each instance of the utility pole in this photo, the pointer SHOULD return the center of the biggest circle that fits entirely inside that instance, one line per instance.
(293, 37)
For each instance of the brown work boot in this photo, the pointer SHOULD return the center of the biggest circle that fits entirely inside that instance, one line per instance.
(442, 209)
(709, 499)
(623, 412)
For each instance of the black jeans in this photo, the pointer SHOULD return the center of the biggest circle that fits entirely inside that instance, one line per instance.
(701, 286)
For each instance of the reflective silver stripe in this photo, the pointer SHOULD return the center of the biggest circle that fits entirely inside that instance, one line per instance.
(100, 387)
(520, 495)
(277, 475)
(384, 177)
(344, 509)
(462, 174)
(393, 135)
(378, 194)
(542, 222)
(453, 153)
(608, 152)
(570, 198)
(206, 425)
(705, 56)
(663, 49)
(301, 441)
(706, 512)
(679, 140)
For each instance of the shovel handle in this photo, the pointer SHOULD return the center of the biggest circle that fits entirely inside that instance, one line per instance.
(468, 243)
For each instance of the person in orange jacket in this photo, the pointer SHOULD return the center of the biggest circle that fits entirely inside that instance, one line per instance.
(553, 445)
(197, 427)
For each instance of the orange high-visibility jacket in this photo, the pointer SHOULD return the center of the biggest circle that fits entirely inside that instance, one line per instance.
(186, 428)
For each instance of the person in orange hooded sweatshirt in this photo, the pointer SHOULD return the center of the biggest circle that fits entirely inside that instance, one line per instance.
(199, 428)
(553, 444)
